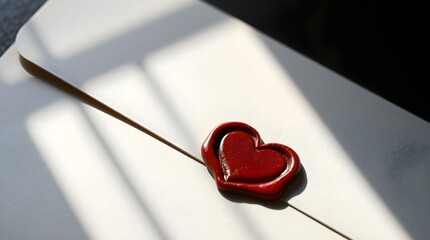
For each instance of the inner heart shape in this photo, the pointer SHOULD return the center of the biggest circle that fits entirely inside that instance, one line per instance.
(242, 161)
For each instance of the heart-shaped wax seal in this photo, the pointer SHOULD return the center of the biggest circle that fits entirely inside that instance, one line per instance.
(240, 162)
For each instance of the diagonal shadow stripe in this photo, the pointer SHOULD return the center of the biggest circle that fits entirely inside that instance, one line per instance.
(62, 85)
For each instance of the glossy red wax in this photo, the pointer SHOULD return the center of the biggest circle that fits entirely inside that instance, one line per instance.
(240, 162)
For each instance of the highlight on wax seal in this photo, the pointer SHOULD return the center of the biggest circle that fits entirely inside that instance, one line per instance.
(240, 162)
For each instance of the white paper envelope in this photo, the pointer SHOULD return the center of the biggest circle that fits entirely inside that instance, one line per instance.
(180, 68)
(69, 171)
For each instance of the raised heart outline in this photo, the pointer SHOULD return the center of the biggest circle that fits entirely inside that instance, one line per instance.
(269, 190)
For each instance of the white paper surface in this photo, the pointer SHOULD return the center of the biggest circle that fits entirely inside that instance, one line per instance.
(68, 171)
(190, 68)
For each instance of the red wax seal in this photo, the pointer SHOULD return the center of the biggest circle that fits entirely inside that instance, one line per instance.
(240, 162)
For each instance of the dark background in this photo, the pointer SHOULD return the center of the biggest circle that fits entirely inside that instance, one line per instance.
(375, 44)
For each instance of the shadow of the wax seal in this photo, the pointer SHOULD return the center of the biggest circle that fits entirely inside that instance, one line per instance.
(297, 186)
